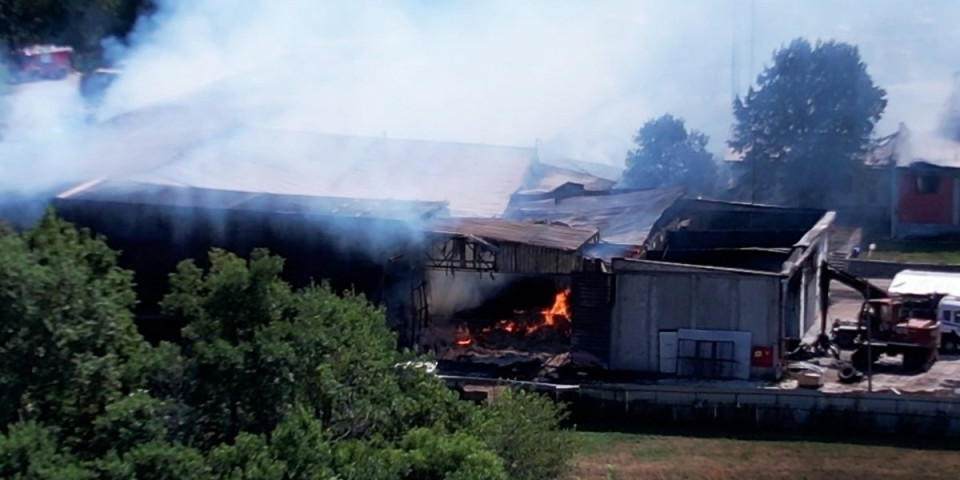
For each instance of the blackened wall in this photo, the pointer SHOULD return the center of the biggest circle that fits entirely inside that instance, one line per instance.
(367, 256)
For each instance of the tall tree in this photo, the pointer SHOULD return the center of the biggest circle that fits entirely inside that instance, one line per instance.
(82, 24)
(803, 127)
(67, 336)
(667, 154)
(270, 382)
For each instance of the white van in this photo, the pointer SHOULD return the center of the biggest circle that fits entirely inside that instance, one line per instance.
(949, 312)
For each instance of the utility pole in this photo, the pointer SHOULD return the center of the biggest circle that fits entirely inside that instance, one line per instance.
(753, 32)
(866, 295)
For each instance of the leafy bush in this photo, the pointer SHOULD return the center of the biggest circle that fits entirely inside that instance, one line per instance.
(523, 429)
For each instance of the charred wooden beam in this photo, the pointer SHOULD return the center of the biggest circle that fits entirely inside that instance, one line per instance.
(461, 253)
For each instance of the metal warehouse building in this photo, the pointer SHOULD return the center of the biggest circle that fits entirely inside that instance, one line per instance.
(657, 283)
(722, 289)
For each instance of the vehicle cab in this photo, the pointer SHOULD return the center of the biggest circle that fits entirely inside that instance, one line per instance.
(948, 311)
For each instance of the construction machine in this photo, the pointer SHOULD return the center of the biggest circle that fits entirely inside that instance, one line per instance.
(887, 324)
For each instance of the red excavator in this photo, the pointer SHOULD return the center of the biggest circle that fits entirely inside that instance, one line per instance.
(887, 324)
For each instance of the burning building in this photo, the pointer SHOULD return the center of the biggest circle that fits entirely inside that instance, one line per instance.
(498, 263)
(500, 289)
(388, 218)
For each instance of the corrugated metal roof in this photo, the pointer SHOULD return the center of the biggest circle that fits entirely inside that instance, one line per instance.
(179, 196)
(622, 218)
(916, 282)
(560, 237)
(599, 170)
(476, 180)
(547, 178)
(178, 146)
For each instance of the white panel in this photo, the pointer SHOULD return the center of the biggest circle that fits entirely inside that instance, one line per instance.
(668, 352)
(916, 282)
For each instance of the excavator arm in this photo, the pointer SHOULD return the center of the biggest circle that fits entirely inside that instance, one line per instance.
(865, 288)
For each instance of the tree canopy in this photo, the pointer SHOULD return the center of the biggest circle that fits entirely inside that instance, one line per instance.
(804, 126)
(81, 24)
(667, 154)
(270, 382)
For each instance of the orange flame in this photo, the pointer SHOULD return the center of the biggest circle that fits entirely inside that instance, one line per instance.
(464, 339)
(559, 308)
(549, 317)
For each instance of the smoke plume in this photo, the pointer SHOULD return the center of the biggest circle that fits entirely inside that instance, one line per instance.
(580, 76)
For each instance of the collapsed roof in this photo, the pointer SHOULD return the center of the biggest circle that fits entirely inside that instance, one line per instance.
(553, 236)
(735, 235)
(623, 217)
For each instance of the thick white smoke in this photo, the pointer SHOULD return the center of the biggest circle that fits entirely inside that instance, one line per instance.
(581, 76)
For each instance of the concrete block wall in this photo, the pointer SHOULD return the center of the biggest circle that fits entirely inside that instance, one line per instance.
(645, 406)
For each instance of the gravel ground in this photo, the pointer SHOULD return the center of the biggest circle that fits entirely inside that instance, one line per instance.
(943, 378)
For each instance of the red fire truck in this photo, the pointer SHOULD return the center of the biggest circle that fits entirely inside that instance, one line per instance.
(39, 62)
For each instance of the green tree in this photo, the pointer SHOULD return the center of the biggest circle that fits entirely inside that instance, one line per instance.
(270, 382)
(29, 451)
(248, 458)
(66, 330)
(255, 349)
(128, 423)
(317, 374)
(79, 23)
(433, 455)
(304, 446)
(667, 154)
(523, 429)
(802, 129)
(157, 460)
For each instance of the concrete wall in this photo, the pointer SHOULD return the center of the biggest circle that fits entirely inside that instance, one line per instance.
(653, 297)
(809, 270)
(800, 302)
(733, 408)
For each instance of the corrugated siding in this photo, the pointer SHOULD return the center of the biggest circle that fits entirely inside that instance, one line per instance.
(591, 302)
(516, 258)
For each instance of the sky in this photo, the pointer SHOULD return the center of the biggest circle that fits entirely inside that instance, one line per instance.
(577, 78)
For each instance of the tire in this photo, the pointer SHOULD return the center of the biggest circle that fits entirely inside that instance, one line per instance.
(950, 343)
(917, 359)
(848, 374)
